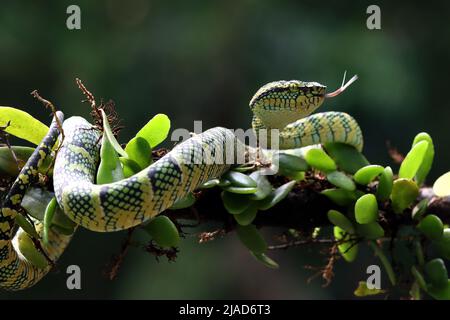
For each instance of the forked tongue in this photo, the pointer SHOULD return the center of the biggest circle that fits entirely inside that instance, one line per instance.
(343, 86)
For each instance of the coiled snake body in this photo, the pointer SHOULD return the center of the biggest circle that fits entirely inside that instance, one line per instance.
(132, 201)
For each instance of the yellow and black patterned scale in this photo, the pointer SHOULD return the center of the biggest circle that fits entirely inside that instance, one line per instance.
(283, 105)
(15, 271)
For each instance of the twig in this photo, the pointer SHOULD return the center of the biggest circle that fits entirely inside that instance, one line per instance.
(48, 104)
(298, 243)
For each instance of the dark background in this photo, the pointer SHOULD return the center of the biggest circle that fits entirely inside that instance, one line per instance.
(203, 60)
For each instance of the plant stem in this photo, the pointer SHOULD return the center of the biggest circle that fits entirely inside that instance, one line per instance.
(384, 260)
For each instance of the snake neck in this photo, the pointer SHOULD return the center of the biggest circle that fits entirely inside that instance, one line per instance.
(264, 134)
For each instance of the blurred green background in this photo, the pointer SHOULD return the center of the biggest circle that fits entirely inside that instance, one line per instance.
(203, 60)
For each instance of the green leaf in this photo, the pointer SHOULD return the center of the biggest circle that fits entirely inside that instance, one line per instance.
(366, 209)
(436, 273)
(364, 291)
(247, 216)
(385, 184)
(240, 190)
(441, 186)
(341, 221)
(432, 227)
(413, 160)
(293, 175)
(130, 167)
(156, 130)
(8, 165)
(367, 174)
(443, 245)
(112, 140)
(263, 185)
(419, 209)
(276, 196)
(163, 231)
(139, 151)
(48, 218)
(26, 225)
(30, 252)
(109, 169)
(290, 162)
(440, 293)
(224, 183)
(427, 162)
(348, 248)
(346, 156)
(317, 158)
(22, 125)
(264, 259)
(210, 184)
(238, 179)
(340, 179)
(235, 203)
(371, 231)
(340, 197)
(185, 202)
(252, 238)
(404, 193)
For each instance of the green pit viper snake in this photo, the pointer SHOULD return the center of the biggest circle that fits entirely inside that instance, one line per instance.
(283, 105)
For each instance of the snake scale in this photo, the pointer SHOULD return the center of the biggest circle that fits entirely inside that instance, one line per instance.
(283, 105)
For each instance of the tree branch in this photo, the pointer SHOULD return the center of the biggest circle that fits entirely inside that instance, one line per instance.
(303, 209)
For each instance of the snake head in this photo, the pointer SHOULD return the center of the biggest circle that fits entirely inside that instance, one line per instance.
(281, 102)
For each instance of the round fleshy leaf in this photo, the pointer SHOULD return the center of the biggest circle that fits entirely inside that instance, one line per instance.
(26, 225)
(341, 180)
(366, 209)
(163, 231)
(247, 216)
(419, 209)
(139, 151)
(371, 231)
(436, 273)
(224, 183)
(263, 185)
(340, 197)
(235, 203)
(340, 220)
(30, 252)
(348, 249)
(210, 184)
(240, 190)
(185, 202)
(404, 193)
(252, 238)
(130, 167)
(367, 174)
(290, 162)
(440, 293)
(385, 184)
(347, 158)
(276, 196)
(427, 160)
(317, 158)
(156, 130)
(413, 160)
(432, 227)
(441, 186)
(443, 245)
(264, 259)
(239, 179)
